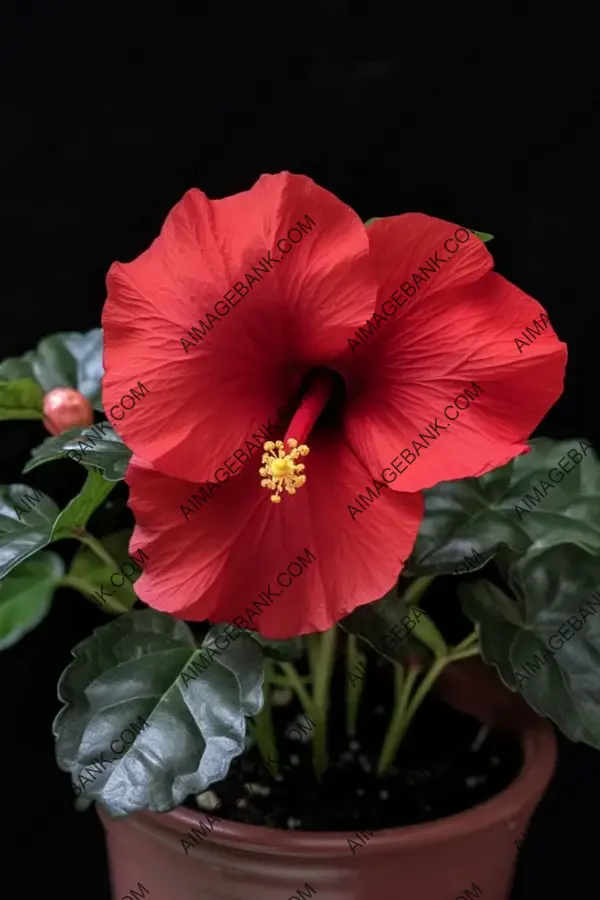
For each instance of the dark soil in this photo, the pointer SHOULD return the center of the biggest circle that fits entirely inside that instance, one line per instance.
(440, 770)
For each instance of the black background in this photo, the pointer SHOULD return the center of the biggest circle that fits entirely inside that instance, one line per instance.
(107, 122)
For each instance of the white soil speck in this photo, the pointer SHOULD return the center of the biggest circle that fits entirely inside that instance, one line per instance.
(294, 759)
(364, 763)
(384, 795)
(354, 745)
(257, 790)
(208, 800)
(360, 792)
(474, 781)
(293, 823)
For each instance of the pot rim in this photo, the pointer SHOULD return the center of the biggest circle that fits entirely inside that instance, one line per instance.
(539, 746)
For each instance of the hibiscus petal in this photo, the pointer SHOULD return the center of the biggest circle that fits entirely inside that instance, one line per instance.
(440, 254)
(461, 339)
(208, 395)
(229, 555)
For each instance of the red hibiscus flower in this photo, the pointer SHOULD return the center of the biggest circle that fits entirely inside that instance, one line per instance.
(280, 292)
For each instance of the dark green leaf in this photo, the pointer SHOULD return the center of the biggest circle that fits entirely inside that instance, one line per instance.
(69, 359)
(133, 668)
(499, 617)
(26, 595)
(78, 511)
(27, 517)
(20, 399)
(559, 675)
(109, 454)
(87, 569)
(477, 515)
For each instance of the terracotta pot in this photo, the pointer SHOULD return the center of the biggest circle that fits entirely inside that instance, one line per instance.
(468, 855)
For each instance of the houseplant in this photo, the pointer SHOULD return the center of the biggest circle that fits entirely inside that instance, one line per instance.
(161, 709)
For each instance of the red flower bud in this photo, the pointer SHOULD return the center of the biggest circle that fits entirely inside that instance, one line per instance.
(66, 408)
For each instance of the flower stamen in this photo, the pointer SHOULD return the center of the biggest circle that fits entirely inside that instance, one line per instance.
(279, 469)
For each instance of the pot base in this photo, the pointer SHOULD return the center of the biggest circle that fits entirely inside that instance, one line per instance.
(467, 855)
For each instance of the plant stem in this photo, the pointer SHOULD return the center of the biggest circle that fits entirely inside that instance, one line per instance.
(322, 656)
(295, 682)
(470, 639)
(95, 546)
(464, 654)
(402, 688)
(416, 589)
(88, 590)
(263, 730)
(429, 679)
(353, 691)
(281, 682)
(405, 711)
(424, 688)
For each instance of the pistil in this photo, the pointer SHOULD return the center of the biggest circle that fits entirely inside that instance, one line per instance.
(280, 470)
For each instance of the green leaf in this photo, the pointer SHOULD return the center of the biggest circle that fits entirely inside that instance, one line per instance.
(20, 399)
(26, 596)
(478, 515)
(395, 630)
(87, 568)
(482, 235)
(69, 359)
(78, 511)
(370, 221)
(498, 616)
(109, 454)
(133, 668)
(559, 675)
(27, 517)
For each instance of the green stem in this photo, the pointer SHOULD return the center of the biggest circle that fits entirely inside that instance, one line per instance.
(464, 654)
(95, 546)
(281, 682)
(402, 688)
(470, 639)
(313, 654)
(433, 674)
(353, 690)
(405, 714)
(424, 688)
(88, 590)
(322, 657)
(416, 589)
(263, 730)
(295, 682)
(405, 711)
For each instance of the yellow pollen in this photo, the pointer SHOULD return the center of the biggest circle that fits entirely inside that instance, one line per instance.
(279, 470)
